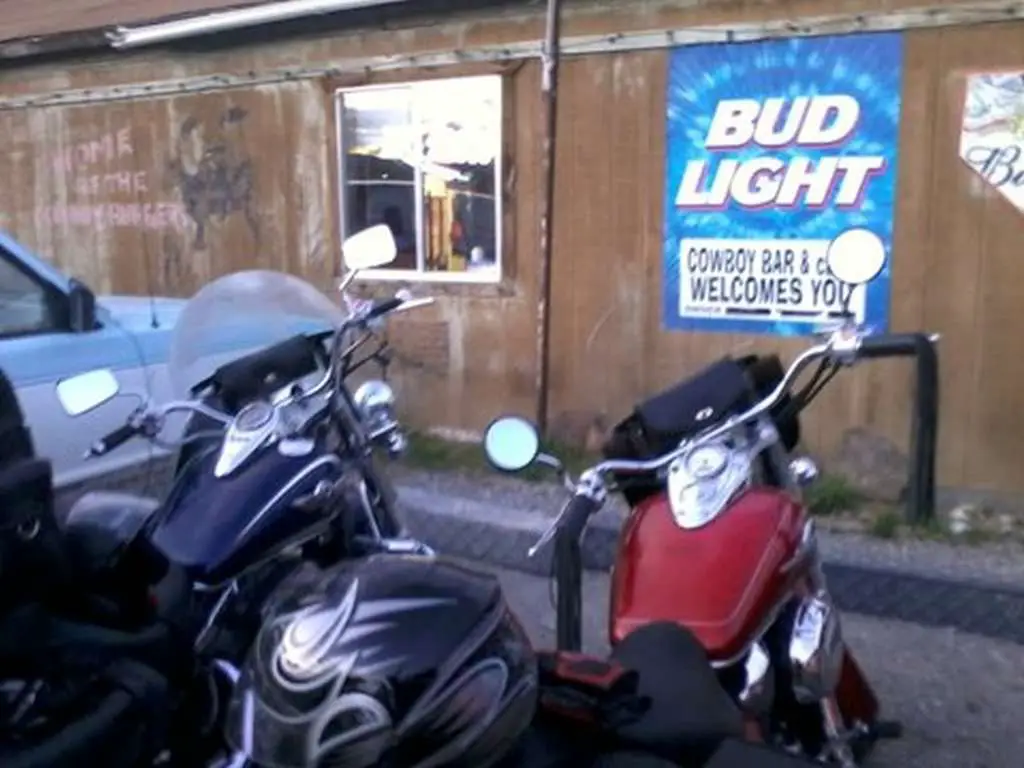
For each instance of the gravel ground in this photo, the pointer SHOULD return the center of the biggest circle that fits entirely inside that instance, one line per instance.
(998, 562)
(957, 695)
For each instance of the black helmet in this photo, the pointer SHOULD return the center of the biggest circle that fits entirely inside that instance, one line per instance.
(404, 661)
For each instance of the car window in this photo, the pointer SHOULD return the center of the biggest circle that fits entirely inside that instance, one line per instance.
(26, 306)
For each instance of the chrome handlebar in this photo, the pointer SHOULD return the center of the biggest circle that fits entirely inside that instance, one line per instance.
(402, 302)
(844, 345)
(148, 420)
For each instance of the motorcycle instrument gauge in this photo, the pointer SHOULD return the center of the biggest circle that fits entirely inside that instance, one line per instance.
(254, 416)
(707, 461)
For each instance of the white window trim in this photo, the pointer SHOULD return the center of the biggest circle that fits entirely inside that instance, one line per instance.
(491, 276)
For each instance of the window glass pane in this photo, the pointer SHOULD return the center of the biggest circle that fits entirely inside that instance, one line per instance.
(444, 135)
(377, 134)
(379, 184)
(460, 121)
(23, 302)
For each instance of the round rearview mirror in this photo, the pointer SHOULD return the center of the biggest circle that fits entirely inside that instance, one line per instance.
(856, 256)
(511, 443)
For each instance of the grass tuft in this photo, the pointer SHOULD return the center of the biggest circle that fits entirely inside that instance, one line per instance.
(886, 524)
(435, 454)
(832, 495)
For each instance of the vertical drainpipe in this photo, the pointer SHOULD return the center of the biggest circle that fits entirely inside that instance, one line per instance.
(549, 92)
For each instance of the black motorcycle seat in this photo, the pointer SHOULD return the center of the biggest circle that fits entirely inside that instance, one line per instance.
(690, 712)
(121, 515)
(103, 528)
(105, 536)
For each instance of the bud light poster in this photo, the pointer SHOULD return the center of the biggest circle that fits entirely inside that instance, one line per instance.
(773, 150)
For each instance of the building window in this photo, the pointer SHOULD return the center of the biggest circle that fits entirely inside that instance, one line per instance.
(425, 159)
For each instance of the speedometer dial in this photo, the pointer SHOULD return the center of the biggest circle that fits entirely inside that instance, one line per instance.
(707, 461)
(253, 416)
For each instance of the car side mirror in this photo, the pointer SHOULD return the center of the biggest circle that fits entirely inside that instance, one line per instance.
(81, 307)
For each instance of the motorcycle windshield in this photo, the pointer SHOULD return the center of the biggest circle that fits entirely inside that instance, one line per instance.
(240, 313)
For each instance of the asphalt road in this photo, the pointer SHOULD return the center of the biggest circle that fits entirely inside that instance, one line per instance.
(959, 696)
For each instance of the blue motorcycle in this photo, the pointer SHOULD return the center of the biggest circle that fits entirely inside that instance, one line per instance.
(278, 460)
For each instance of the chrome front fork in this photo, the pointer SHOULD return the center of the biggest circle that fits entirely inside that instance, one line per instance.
(817, 649)
(837, 749)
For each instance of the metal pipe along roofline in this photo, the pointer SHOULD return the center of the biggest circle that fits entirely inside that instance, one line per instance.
(223, 21)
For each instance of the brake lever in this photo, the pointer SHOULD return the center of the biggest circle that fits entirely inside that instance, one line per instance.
(827, 330)
(549, 533)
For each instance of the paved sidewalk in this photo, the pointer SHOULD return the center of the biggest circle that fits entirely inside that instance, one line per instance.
(496, 519)
(958, 695)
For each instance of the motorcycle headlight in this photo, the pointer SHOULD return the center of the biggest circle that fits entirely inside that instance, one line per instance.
(373, 395)
(703, 482)
(815, 649)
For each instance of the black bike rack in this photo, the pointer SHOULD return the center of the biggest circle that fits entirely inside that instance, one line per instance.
(924, 427)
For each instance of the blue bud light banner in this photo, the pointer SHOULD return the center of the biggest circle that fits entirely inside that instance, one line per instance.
(774, 150)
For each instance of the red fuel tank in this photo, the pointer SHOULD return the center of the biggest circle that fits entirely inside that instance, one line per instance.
(720, 581)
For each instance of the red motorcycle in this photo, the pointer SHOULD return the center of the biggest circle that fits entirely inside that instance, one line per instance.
(719, 540)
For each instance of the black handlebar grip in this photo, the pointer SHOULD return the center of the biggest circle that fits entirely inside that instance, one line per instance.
(383, 307)
(112, 440)
(577, 512)
(890, 345)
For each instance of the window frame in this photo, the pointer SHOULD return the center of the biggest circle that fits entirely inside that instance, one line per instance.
(490, 277)
(58, 303)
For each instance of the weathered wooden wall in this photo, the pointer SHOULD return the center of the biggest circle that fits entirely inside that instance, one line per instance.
(163, 194)
(956, 266)
(474, 353)
(960, 260)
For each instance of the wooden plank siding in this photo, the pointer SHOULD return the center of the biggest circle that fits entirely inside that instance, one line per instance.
(164, 194)
(957, 248)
